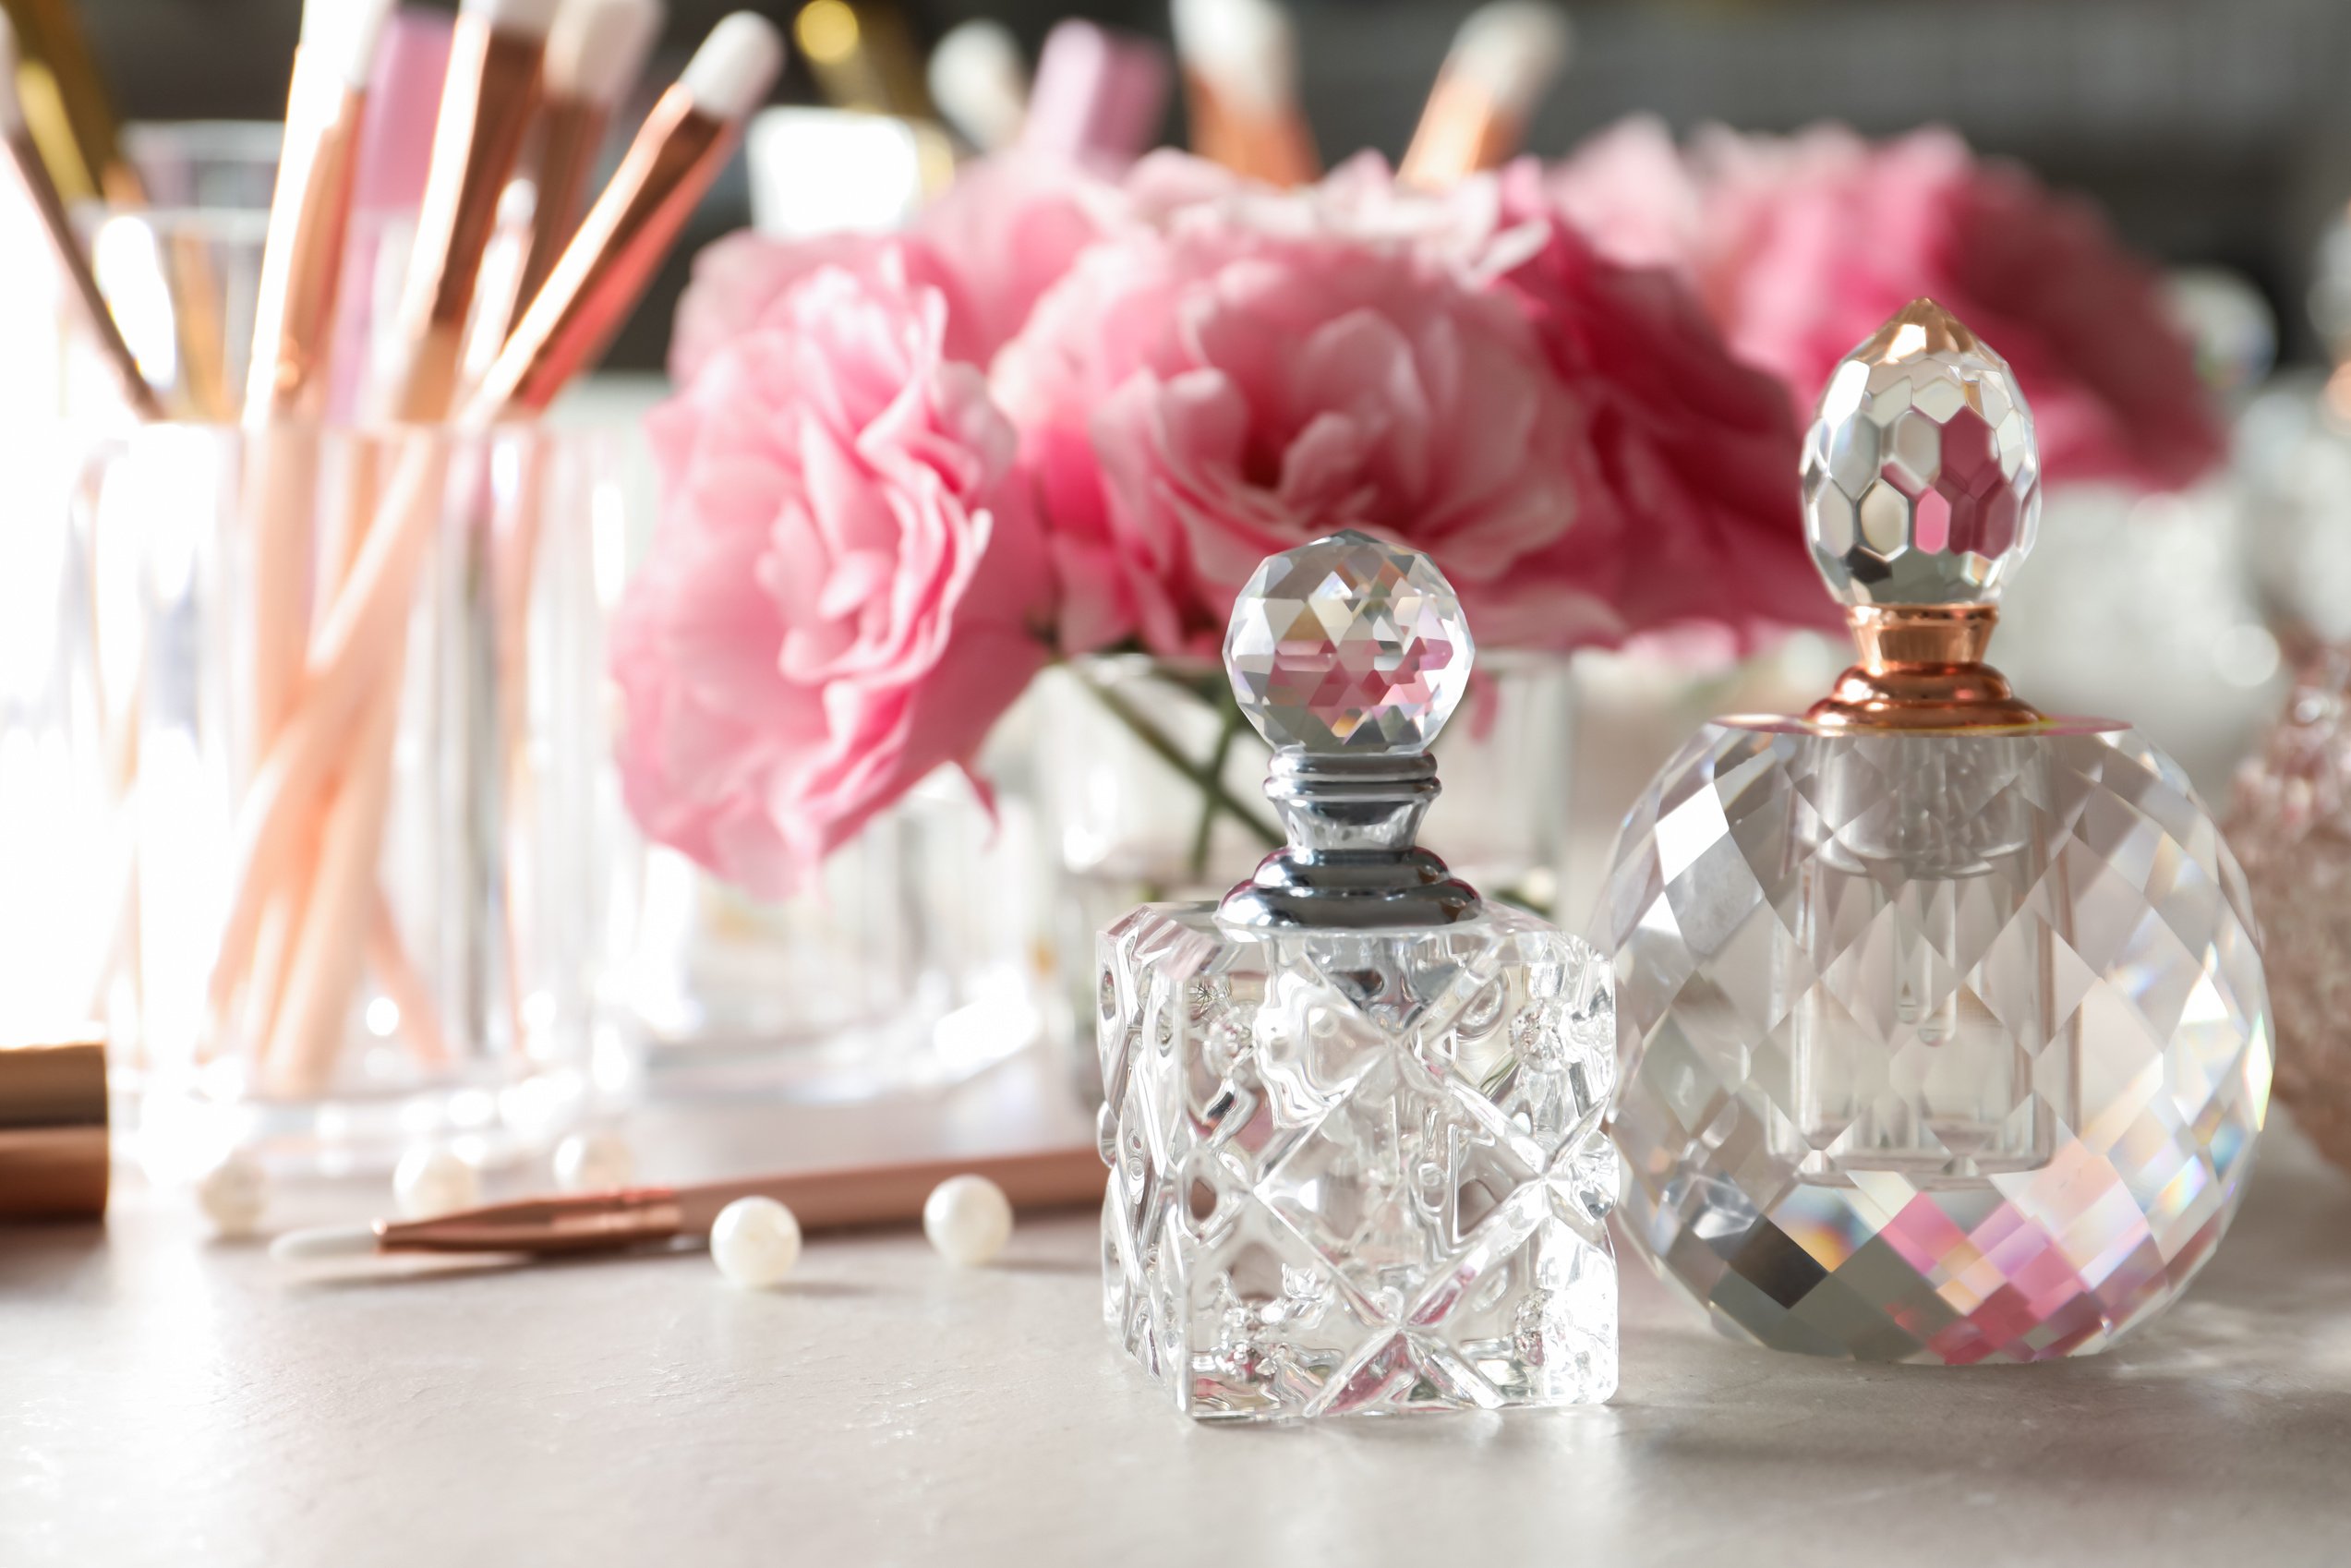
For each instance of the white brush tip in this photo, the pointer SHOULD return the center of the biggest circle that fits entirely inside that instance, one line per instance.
(530, 18)
(323, 1242)
(980, 82)
(1513, 49)
(599, 48)
(12, 113)
(341, 36)
(1245, 49)
(729, 75)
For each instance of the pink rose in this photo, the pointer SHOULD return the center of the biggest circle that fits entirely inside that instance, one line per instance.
(1250, 369)
(1800, 246)
(845, 591)
(1007, 229)
(999, 236)
(1691, 518)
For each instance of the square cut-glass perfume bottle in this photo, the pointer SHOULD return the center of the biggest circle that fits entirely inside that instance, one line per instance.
(1352, 1111)
(1943, 1030)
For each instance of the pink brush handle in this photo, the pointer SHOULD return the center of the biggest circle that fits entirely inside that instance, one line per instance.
(1098, 96)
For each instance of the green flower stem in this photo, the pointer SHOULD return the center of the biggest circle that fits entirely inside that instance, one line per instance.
(1215, 797)
(1205, 829)
(1514, 894)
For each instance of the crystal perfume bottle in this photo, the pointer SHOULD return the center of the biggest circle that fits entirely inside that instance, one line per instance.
(1352, 1111)
(1943, 1032)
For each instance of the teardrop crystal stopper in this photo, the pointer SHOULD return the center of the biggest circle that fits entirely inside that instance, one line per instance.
(1922, 478)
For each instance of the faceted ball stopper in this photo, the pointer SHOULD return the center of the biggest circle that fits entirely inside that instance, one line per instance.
(1922, 477)
(1348, 646)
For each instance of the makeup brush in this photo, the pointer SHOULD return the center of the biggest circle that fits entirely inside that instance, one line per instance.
(489, 98)
(1099, 95)
(51, 210)
(394, 145)
(310, 213)
(1504, 59)
(595, 54)
(396, 164)
(486, 105)
(86, 159)
(980, 84)
(645, 1216)
(1240, 77)
(685, 140)
(683, 143)
(287, 385)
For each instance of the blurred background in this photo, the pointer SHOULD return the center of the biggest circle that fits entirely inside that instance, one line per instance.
(2179, 584)
(2212, 131)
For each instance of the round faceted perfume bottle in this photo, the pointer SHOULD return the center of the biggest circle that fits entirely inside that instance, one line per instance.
(1941, 1028)
(1353, 1111)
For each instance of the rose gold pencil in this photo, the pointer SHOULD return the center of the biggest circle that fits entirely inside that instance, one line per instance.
(51, 208)
(849, 1199)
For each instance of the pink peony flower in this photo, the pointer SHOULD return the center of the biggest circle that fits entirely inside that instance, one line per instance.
(1693, 518)
(999, 236)
(1240, 370)
(846, 589)
(1800, 247)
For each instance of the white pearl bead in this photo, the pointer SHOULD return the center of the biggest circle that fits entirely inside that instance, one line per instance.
(594, 1161)
(969, 1219)
(233, 1194)
(755, 1242)
(433, 1181)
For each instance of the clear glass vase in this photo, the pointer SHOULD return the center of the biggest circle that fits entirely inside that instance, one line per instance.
(912, 965)
(418, 956)
(1153, 783)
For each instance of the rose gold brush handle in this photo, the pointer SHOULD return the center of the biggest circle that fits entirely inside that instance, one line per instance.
(820, 1200)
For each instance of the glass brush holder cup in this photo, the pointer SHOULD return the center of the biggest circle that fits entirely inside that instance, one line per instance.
(368, 878)
(1352, 1111)
(1943, 1032)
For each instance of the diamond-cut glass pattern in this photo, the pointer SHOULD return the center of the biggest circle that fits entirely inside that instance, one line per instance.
(1922, 480)
(1348, 644)
(1357, 1172)
(1945, 1048)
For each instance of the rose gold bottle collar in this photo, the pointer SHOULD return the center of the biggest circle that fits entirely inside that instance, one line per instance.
(1921, 668)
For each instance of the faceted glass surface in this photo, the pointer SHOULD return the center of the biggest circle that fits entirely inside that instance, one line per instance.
(1922, 480)
(1348, 644)
(1355, 1173)
(1945, 1048)
(2291, 825)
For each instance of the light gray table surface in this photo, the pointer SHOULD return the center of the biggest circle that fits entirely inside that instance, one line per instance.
(167, 1399)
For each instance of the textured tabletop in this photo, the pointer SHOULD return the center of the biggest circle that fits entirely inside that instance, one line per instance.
(163, 1399)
